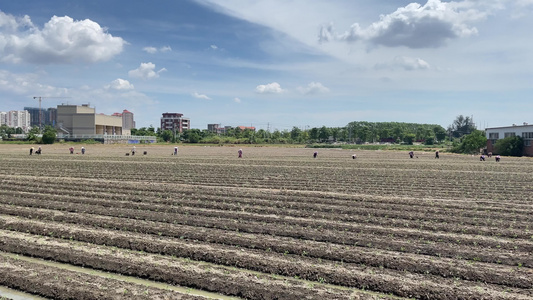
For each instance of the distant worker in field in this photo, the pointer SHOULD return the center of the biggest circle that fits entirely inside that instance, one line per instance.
(175, 150)
(354, 156)
(482, 157)
(133, 150)
(31, 150)
(489, 155)
(240, 153)
(411, 154)
(39, 150)
(437, 154)
(71, 149)
(497, 158)
(82, 150)
(315, 154)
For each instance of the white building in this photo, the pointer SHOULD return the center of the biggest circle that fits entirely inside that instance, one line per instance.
(525, 131)
(16, 118)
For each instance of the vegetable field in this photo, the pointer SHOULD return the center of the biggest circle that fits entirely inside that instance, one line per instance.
(275, 224)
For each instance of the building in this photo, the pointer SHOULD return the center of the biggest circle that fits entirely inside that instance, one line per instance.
(127, 119)
(218, 129)
(83, 120)
(525, 131)
(48, 116)
(174, 122)
(16, 119)
(3, 118)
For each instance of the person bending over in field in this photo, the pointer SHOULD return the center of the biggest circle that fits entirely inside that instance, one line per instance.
(411, 154)
(82, 150)
(482, 157)
(31, 150)
(437, 154)
(71, 149)
(175, 150)
(497, 158)
(133, 150)
(240, 153)
(39, 150)
(354, 156)
(315, 154)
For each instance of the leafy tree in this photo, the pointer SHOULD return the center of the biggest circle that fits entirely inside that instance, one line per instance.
(49, 135)
(471, 143)
(313, 134)
(167, 135)
(461, 126)
(324, 133)
(409, 138)
(296, 134)
(440, 133)
(510, 146)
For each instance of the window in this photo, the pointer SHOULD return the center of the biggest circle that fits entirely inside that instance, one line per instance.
(527, 143)
(527, 135)
(509, 134)
(494, 135)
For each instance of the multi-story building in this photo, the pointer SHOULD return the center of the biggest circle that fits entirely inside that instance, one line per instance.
(127, 120)
(174, 122)
(48, 116)
(15, 119)
(525, 131)
(3, 118)
(82, 120)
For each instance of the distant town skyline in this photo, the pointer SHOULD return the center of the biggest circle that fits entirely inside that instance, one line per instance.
(271, 63)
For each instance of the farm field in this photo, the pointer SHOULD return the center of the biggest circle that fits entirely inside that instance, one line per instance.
(276, 224)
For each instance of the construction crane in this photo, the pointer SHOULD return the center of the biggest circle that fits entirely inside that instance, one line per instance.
(40, 112)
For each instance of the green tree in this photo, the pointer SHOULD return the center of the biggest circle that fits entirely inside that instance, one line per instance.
(409, 138)
(440, 133)
(324, 133)
(510, 146)
(313, 134)
(296, 134)
(167, 135)
(49, 135)
(471, 143)
(461, 126)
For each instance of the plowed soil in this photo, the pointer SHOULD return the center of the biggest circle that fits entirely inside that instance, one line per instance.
(275, 224)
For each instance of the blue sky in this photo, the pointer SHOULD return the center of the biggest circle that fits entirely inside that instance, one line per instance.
(271, 63)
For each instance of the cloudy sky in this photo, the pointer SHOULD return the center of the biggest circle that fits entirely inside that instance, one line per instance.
(273, 63)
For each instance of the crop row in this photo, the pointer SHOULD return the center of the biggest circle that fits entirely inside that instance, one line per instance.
(382, 280)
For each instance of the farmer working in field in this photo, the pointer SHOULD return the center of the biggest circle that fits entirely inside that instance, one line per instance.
(240, 153)
(315, 154)
(437, 154)
(133, 150)
(31, 150)
(82, 150)
(411, 154)
(71, 149)
(175, 150)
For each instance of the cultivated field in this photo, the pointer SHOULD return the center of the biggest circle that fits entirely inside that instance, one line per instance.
(276, 224)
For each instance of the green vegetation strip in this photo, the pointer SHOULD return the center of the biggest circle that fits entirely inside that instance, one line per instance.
(130, 279)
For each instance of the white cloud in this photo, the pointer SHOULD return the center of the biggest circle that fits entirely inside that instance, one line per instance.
(120, 84)
(313, 88)
(214, 47)
(236, 100)
(405, 63)
(150, 50)
(200, 96)
(414, 26)
(271, 88)
(145, 71)
(61, 40)
(153, 50)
